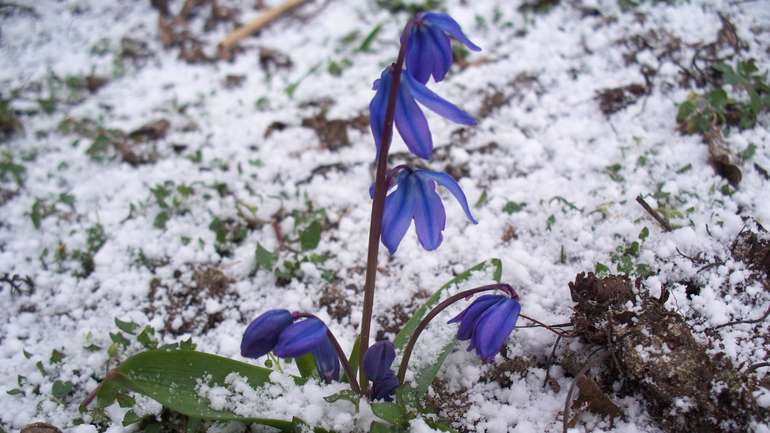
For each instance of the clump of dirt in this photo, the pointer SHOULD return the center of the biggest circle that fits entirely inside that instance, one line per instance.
(336, 303)
(752, 246)
(183, 301)
(451, 405)
(617, 98)
(653, 349)
(502, 372)
(393, 320)
(332, 133)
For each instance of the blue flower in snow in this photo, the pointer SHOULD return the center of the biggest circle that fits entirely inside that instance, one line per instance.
(416, 198)
(377, 361)
(262, 334)
(430, 51)
(488, 322)
(275, 330)
(409, 118)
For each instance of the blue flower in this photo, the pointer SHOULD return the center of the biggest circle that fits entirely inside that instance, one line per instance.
(409, 118)
(326, 361)
(377, 361)
(275, 330)
(262, 334)
(430, 51)
(488, 322)
(415, 198)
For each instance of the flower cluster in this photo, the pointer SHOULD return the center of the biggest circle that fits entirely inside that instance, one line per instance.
(403, 194)
(428, 53)
(278, 331)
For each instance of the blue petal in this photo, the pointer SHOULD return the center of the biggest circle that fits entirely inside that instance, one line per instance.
(449, 183)
(377, 360)
(262, 333)
(449, 25)
(300, 338)
(442, 53)
(378, 106)
(470, 315)
(429, 215)
(384, 388)
(411, 122)
(399, 208)
(420, 57)
(493, 328)
(436, 103)
(326, 361)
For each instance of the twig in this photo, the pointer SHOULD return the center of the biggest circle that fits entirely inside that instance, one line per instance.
(743, 322)
(583, 371)
(758, 366)
(658, 217)
(232, 39)
(549, 362)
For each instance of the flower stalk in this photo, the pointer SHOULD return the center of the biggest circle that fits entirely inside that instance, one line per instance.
(378, 205)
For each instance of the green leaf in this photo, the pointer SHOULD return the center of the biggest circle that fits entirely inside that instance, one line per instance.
(61, 389)
(345, 394)
(601, 269)
(125, 401)
(311, 236)
(127, 327)
(390, 412)
(408, 329)
(131, 418)
(160, 220)
(512, 207)
(426, 375)
(106, 394)
(147, 338)
(193, 425)
(171, 378)
(36, 214)
(644, 234)
(265, 259)
(306, 365)
(378, 427)
(367, 42)
(56, 357)
(353, 360)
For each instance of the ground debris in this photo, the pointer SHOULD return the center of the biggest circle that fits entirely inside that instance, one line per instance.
(686, 388)
(752, 246)
(617, 98)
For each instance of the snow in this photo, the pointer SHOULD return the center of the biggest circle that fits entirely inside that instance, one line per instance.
(551, 141)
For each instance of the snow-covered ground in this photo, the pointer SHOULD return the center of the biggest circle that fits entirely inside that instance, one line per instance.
(553, 181)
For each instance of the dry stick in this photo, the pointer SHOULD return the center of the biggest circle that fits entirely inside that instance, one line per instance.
(757, 366)
(378, 207)
(549, 361)
(232, 39)
(743, 322)
(584, 370)
(662, 221)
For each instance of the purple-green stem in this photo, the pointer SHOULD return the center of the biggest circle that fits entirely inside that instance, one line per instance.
(378, 206)
(337, 348)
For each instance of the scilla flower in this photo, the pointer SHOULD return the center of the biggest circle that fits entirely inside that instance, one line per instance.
(488, 322)
(430, 51)
(276, 331)
(262, 334)
(415, 198)
(409, 118)
(377, 361)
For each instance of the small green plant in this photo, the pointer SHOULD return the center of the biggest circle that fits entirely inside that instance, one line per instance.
(625, 258)
(700, 113)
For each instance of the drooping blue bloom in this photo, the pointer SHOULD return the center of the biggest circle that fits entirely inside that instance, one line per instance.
(326, 361)
(262, 334)
(430, 50)
(409, 119)
(416, 198)
(300, 338)
(377, 361)
(310, 336)
(488, 322)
